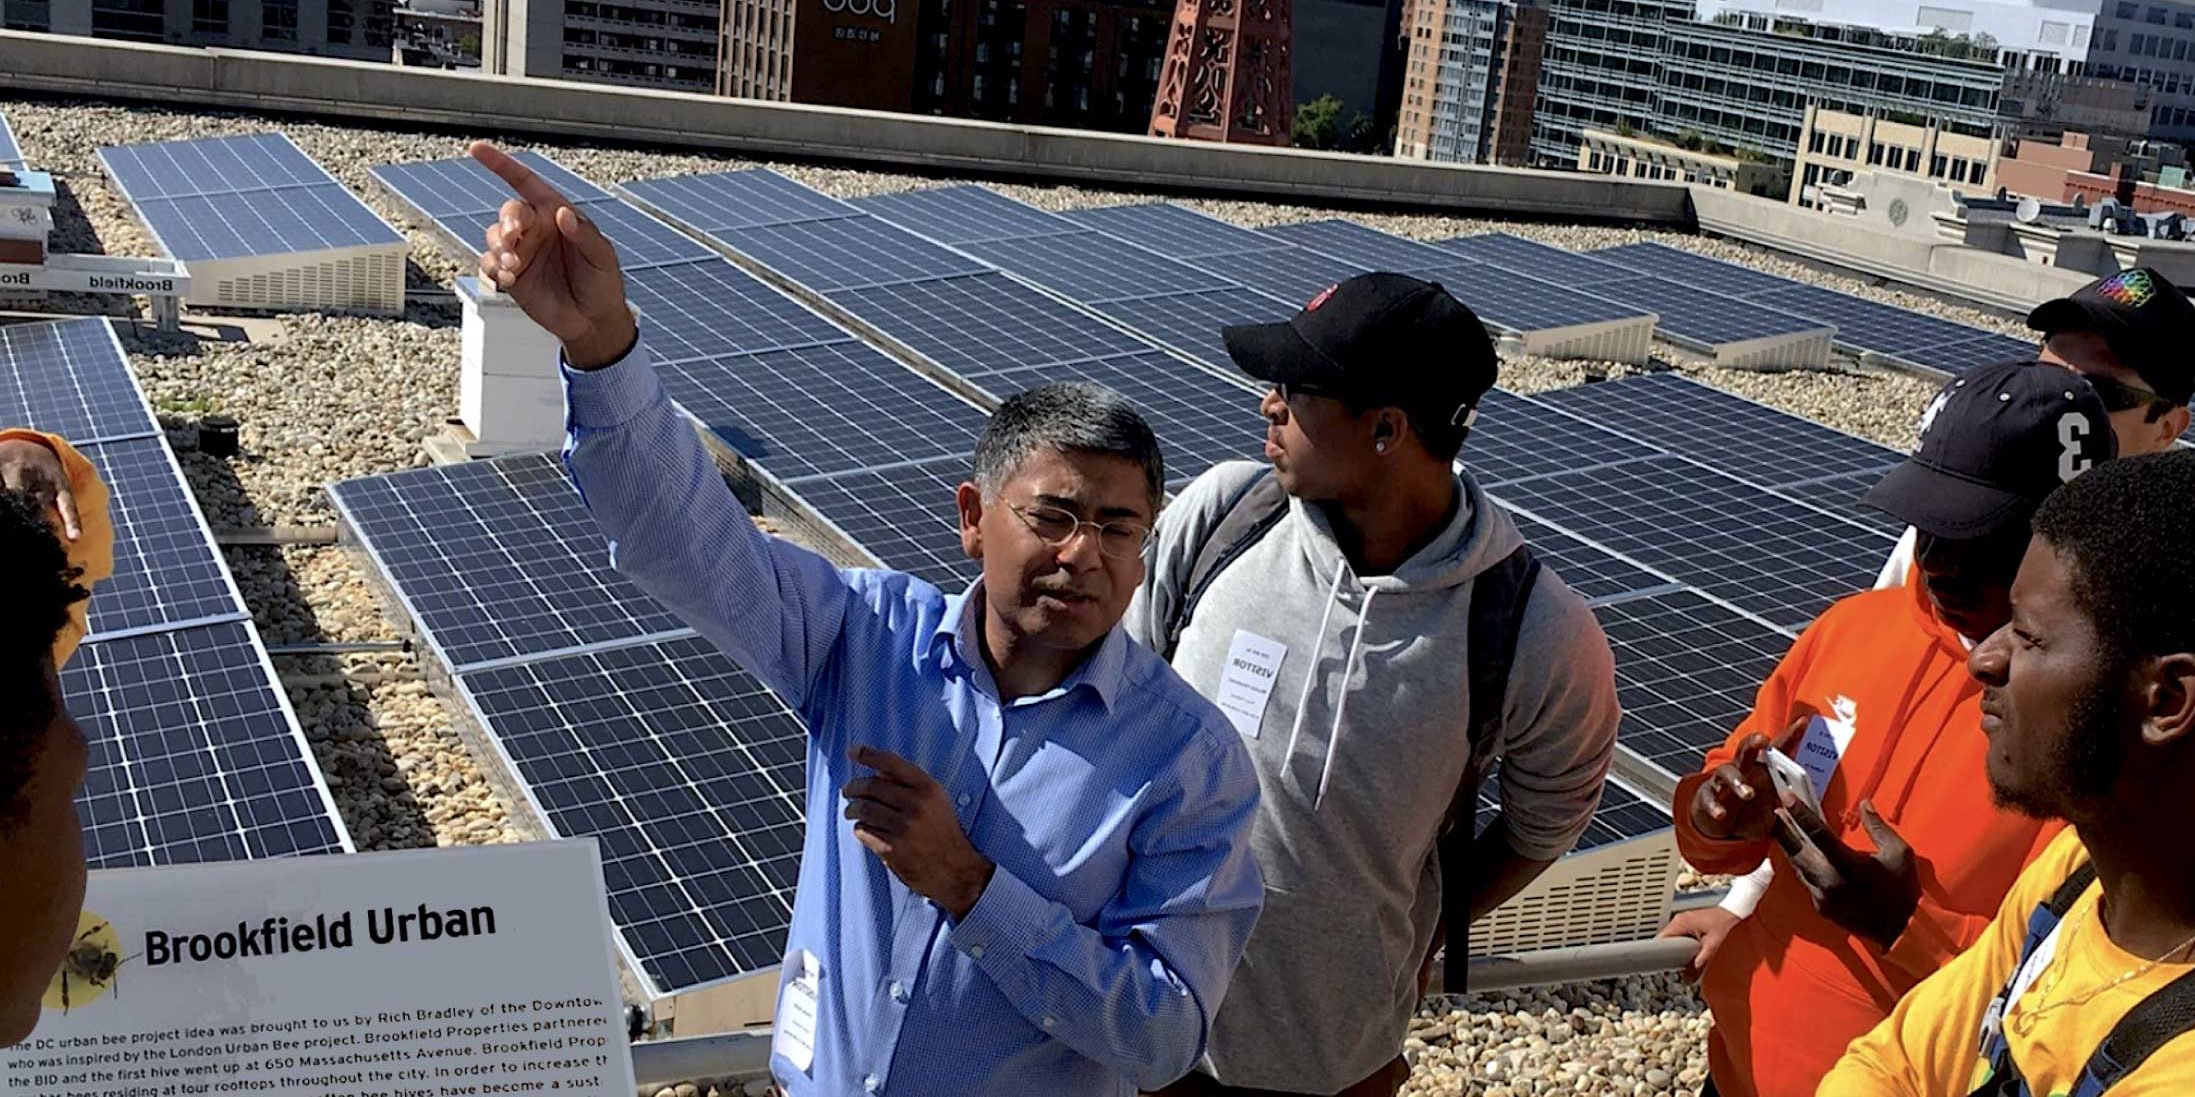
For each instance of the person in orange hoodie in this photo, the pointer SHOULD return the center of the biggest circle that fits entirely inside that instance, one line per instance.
(54, 540)
(1907, 859)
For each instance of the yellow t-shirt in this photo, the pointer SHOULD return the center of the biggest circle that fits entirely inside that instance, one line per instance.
(1930, 1046)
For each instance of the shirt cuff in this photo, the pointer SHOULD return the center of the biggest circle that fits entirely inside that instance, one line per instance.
(1005, 924)
(606, 398)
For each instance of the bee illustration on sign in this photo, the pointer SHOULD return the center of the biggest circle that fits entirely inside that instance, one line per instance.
(90, 968)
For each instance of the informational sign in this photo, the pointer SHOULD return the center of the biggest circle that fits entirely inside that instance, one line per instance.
(61, 274)
(440, 973)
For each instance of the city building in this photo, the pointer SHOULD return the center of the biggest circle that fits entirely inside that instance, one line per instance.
(1601, 70)
(1837, 145)
(2039, 104)
(362, 30)
(755, 44)
(1471, 81)
(1644, 158)
(668, 44)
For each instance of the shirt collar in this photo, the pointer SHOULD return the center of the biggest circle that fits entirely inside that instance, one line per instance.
(958, 633)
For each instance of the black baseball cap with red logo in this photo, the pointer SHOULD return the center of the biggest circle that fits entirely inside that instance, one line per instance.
(1377, 340)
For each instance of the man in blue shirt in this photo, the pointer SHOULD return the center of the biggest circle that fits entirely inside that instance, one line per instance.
(1027, 866)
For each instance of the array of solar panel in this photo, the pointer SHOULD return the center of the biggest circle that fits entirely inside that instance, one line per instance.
(1094, 268)
(901, 515)
(723, 201)
(11, 154)
(230, 197)
(982, 324)
(1287, 274)
(1861, 324)
(1841, 495)
(1595, 573)
(1517, 438)
(194, 755)
(1201, 419)
(686, 772)
(1687, 673)
(68, 378)
(710, 308)
(1734, 435)
(1170, 230)
(461, 199)
(497, 560)
(1191, 322)
(959, 215)
(1623, 814)
(821, 410)
(1530, 257)
(1366, 247)
(1777, 559)
(846, 253)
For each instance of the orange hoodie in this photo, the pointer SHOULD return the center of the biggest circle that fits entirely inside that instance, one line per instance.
(93, 549)
(1790, 989)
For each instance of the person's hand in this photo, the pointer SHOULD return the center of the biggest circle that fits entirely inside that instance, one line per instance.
(32, 469)
(1709, 926)
(557, 265)
(904, 817)
(1737, 801)
(1872, 895)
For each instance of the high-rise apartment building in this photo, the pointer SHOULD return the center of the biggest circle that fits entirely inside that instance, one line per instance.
(357, 29)
(668, 44)
(1601, 71)
(1471, 79)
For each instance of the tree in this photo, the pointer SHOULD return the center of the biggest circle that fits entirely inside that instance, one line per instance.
(468, 44)
(1318, 123)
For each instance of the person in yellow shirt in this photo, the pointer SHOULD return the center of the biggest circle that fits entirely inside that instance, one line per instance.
(2084, 982)
(54, 540)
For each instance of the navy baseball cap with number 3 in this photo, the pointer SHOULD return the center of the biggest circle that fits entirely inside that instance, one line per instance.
(1994, 443)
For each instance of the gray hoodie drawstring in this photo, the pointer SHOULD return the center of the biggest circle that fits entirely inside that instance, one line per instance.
(1356, 648)
(1311, 669)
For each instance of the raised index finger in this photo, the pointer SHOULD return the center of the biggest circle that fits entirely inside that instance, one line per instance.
(891, 765)
(519, 177)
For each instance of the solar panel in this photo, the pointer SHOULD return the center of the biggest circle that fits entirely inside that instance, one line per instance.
(963, 215)
(903, 516)
(1688, 315)
(726, 200)
(1368, 248)
(209, 166)
(1687, 673)
(981, 324)
(1966, 354)
(1292, 275)
(1748, 440)
(823, 409)
(1516, 438)
(1710, 275)
(1593, 572)
(687, 773)
(1173, 231)
(710, 308)
(320, 217)
(1780, 560)
(11, 154)
(1871, 325)
(1191, 322)
(1841, 495)
(846, 253)
(194, 755)
(1094, 268)
(69, 377)
(1522, 304)
(1201, 420)
(1530, 257)
(439, 188)
(497, 560)
(166, 569)
(1623, 814)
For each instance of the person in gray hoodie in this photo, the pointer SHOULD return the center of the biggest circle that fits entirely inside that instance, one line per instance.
(1334, 638)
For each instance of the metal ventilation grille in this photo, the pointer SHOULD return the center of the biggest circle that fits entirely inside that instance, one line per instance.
(1608, 895)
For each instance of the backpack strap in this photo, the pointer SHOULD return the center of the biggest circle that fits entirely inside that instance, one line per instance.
(1248, 516)
(2004, 1078)
(2164, 1016)
(1498, 598)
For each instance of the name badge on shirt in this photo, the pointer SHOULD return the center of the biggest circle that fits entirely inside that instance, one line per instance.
(794, 1035)
(1246, 683)
(1822, 748)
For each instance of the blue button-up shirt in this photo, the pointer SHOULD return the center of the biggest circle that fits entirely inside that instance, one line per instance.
(1117, 807)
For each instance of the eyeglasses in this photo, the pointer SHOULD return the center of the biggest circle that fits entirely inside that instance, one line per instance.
(1289, 392)
(1056, 527)
(2120, 396)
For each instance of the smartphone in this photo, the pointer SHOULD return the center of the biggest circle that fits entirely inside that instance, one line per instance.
(1790, 777)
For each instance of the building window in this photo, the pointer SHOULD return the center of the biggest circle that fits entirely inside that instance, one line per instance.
(25, 15)
(341, 22)
(278, 20)
(210, 17)
(2158, 16)
(142, 20)
(2129, 11)
(1939, 165)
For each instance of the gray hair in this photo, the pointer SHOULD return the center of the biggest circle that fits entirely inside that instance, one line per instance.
(1072, 416)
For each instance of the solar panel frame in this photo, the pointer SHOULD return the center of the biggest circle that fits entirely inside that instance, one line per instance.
(688, 311)
(1596, 574)
(1869, 325)
(1688, 671)
(1956, 358)
(902, 516)
(1523, 304)
(71, 378)
(207, 166)
(497, 561)
(847, 253)
(1840, 495)
(1518, 438)
(1624, 813)
(195, 754)
(440, 188)
(1287, 274)
(1687, 315)
(1094, 268)
(823, 409)
(1708, 274)
(1534, 259)
(317, 217)
(167, 571)
(1176, 232)
(963, 214)
(1777, 559)
(687, 772)
(982, 324)
(1367, 247)
(1742, 438)
(715, 202)
(11, 153)
(1190, 323)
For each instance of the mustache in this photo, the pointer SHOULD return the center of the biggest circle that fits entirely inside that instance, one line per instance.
(1062, 588)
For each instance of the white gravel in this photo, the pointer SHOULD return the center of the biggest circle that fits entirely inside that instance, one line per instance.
(327, 398)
